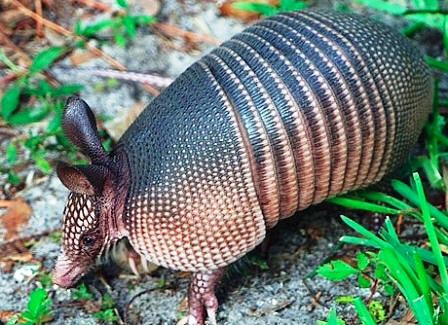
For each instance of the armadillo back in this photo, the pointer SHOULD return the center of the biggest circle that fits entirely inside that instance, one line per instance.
(297, 108)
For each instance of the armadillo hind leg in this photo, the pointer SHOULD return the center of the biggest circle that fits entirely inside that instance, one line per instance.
(201, 296)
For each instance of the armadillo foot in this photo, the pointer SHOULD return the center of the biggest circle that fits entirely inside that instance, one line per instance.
(201, 295)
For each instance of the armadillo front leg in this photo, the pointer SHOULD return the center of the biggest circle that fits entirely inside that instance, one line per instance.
(201, 295)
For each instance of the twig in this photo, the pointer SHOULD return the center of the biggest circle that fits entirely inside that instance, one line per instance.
(27, 238)
(177, 31)
(66, 32)
(94, 4)
(8, 78)
(91, 48)
(38, 5)
(5, 39)
(6, 132)
(96, 51)
(373, 290)
(35, 182)
(128, 305)
(44, 21)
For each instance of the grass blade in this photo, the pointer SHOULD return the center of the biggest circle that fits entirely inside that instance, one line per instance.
(423, 281)
(362, 205)
(363, 312)
(409, 194)
(431, 232)
(363, 231)
(421, 311)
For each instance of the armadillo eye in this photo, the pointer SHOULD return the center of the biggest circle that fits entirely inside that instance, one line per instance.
(87, 240)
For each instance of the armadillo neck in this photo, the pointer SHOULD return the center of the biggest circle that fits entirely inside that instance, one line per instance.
(326, 102)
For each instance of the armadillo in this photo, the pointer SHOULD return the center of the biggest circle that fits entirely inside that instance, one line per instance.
(295, 109)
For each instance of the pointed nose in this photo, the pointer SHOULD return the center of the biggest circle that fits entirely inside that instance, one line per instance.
(65, 272)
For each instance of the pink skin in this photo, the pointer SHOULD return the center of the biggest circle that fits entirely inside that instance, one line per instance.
(201, 297)
(66, 273)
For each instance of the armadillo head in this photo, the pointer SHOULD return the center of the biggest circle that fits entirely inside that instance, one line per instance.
(92, 215)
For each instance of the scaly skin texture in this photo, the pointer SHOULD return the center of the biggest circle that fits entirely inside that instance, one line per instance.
(295, 109)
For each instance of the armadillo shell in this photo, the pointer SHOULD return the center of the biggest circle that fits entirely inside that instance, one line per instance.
(295, 109)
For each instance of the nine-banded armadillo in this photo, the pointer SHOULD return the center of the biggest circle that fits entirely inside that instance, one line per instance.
(295, 109)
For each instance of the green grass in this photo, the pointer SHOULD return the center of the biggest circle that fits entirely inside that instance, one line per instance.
(418, 274)
(81, 293)
(424, 288)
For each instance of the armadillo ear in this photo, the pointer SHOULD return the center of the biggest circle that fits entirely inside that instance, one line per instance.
(83, 179)
(79, 126)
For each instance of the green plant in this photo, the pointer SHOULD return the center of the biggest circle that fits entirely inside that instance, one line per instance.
(399, 263)
(123, 26)
(45, 279)
(44, 102)
(81, 293)
(38, 309)
(107, 312)
(266, 9)
(332, 319)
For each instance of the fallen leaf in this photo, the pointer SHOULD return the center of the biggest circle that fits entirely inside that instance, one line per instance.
(12, 16)
(16, 215)
(183, 305)
(116, 127)
(227, 9)
(11, 252)
(5, 315)
(80, 56)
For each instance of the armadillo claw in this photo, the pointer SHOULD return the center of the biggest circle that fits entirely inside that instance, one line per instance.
(133, 266)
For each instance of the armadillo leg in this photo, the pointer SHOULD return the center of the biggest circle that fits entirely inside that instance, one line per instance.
(201, 295)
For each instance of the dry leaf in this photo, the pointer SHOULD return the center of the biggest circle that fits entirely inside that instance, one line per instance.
(116, 127)
(183, 305)
(14, 251)
(16, 215)
(12, 16)
(226, 9)
(80, 56)
(5, 315)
